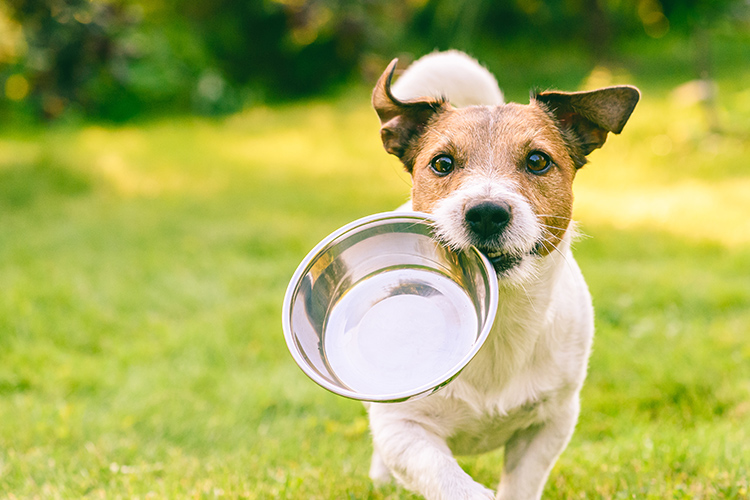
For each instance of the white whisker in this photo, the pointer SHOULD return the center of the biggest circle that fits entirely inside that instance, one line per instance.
(552, 227)
(552, 216)
(528, 297)
(556, 249)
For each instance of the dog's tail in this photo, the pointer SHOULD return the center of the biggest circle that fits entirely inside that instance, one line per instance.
(452, 75)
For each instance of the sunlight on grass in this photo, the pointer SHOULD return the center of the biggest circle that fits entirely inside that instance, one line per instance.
(670, 175)
(207, 157)
(690, 209)
(658, 175)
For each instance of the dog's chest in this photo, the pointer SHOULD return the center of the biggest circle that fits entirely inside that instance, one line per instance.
(481, 433)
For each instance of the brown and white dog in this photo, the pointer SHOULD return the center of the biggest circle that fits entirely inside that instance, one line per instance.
(499, 177)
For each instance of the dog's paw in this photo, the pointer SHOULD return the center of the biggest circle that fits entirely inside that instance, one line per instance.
(381, 478)
(470, 491)
(379, 472)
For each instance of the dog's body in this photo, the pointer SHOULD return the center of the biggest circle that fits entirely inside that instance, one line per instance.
(497, 177)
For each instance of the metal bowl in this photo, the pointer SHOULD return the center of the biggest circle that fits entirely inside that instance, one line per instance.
(381, 311)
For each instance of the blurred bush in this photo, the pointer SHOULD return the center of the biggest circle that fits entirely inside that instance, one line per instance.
(114, 59)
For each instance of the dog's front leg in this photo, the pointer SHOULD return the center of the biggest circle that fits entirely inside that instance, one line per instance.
(422, 462)
(531, 453)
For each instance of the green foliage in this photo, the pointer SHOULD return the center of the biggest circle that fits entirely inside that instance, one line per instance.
(116, 59)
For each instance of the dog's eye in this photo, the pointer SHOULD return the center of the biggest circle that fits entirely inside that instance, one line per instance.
(442, 165)
(538, 163)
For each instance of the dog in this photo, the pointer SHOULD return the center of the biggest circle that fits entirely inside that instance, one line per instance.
(499, 177)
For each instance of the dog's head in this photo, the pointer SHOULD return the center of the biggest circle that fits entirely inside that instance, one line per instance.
(499, 177)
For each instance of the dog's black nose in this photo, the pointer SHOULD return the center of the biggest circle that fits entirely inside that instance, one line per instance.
(488, 218)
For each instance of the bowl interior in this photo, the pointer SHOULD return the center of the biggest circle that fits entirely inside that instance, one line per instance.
(380, 311)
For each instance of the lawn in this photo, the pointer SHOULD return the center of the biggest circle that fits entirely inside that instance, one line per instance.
(142, 269)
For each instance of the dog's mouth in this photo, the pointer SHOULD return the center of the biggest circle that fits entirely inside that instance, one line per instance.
(503, 260)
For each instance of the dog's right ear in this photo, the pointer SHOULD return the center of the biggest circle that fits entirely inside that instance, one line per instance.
(401, 122)
(585, 118)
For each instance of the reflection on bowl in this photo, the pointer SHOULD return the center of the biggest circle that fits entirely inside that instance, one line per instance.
(381, 311)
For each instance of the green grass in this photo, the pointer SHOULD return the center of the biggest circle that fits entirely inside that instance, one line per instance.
(142, 270)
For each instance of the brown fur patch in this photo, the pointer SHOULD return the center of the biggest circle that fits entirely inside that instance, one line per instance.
(495, 142)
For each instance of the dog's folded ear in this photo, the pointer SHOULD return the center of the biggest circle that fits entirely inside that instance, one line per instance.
(586, 117)
(401, 122)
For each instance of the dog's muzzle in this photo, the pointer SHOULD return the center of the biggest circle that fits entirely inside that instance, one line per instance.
(488, 219)
(486, 222)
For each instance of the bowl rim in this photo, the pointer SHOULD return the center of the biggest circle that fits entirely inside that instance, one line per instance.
(420, 391)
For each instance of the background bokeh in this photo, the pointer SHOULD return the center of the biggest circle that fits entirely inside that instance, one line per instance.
(116, 59)
(166, 164)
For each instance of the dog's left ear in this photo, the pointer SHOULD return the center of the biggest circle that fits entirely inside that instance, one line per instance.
(401, 121)
(585, 118)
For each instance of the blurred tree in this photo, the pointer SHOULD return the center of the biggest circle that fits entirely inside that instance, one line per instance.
(72, 52)
(116, 58)
(700, 16)
(286, 48)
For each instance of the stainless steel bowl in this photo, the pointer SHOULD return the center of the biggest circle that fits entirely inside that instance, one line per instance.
(381, 311)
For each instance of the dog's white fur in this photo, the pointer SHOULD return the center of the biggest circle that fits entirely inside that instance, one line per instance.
(450, 74)
(521, 391)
